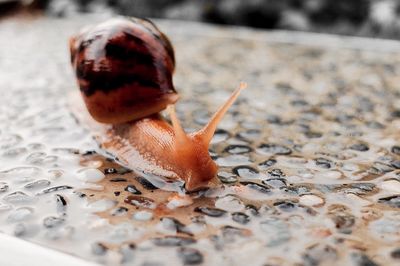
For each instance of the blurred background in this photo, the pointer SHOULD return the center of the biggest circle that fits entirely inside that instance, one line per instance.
(373, 18)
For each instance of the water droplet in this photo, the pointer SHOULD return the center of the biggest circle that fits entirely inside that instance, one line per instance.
(101, 205)
(359, 147)
(20, 214)
(18, 197)
(4, 207)
(145, 183)
(275, 182)
(3, 187)
(170, 241)
(395, 164)
(395, 253)
(246, 172)
(258, 187)
(142, 215)
(213, 212)
(36, 157)
(15, 152)
(240, 217)
(190, 256)
(220, 135)
(99, 249)
(278, 231)
(237, 149)
(140, 201)
(391, 185)
(323, 163)
(10, 140)
(229, 203)
(20, 171)
(54, 189)
(268, 163)
(392, 201)
(173, 225)
(362, 259)
(249, 135)
(227, 178)
(61, 204)
(132, 189)
(38, 184)
(90, 175)
(109, 171)
(274, 149)
(120, 211)
(396, 150)
(230, 232)
(52, 221)
(177, 201)
(319, 254)
(311, 200)
(330, 175)
(19, 230)
(285, 205)
(233, 160)
(276, 173)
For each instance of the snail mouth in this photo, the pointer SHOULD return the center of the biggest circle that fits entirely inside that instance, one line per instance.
(196, 186)
(190, 190)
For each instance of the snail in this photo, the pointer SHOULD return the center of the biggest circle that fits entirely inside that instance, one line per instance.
(124, 70)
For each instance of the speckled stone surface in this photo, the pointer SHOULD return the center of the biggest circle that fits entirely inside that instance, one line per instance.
(309, 154)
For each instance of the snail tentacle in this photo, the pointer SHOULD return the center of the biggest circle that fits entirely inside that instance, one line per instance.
(208, 131)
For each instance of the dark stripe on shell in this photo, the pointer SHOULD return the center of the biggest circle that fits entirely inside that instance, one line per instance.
(100, 81)
(121, 51)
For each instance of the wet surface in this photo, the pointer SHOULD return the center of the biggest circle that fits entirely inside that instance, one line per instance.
(308, 156)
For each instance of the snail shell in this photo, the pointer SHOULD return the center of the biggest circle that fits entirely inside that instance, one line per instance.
(124, 69)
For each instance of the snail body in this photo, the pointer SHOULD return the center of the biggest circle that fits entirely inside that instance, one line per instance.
(134, 131)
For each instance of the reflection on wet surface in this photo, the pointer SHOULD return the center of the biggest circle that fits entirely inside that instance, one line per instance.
(308, 156)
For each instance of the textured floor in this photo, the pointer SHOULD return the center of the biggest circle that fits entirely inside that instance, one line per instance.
(308, 156)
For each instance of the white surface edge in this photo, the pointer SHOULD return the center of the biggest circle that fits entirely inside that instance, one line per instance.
(17, 252)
